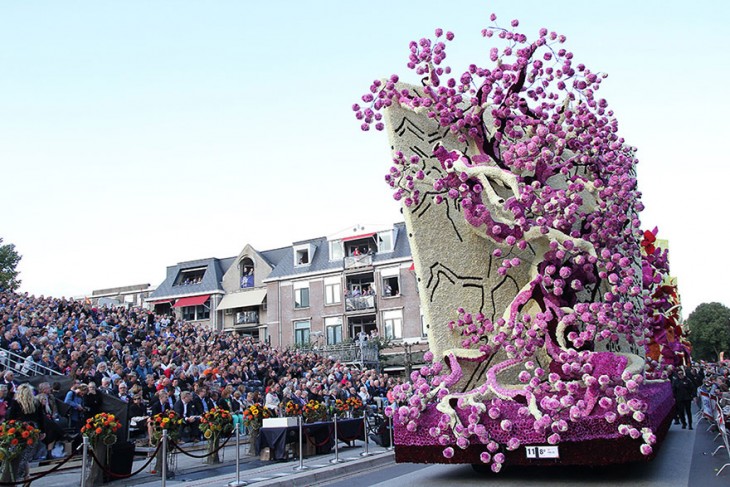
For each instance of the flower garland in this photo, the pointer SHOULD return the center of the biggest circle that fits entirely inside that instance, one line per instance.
(103, 426)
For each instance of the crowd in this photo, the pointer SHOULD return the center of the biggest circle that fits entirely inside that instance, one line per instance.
(156, 362)
(687, 382)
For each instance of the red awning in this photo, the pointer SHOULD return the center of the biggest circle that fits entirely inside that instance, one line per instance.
(164, 301)
(412, 268)
(191, 301)
(358, 237)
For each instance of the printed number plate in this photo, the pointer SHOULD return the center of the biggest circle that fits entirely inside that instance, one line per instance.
(542, 452)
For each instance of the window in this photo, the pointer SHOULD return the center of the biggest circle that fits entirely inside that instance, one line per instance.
(337, 251)
(332, 290)
(391, 281)
(393, 324)
(187, 277)
(301, 332)
(334, 329)
(301, 294)
(202, 312)
(188, 313)
(193, 313)
(424, 329)
(303, 254)
(385, 241)
(246, 269)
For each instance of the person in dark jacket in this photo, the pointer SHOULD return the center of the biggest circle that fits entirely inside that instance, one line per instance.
(684, 390)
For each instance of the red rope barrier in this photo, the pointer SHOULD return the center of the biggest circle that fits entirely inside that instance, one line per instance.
(356, 437)
(311, 437)
(124, 475)
(177, 447)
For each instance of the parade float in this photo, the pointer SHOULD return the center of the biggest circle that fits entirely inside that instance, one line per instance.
(522, 210)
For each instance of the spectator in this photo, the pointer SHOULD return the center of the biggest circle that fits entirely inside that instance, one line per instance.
(25, 408)
(202, 401)
(4, 402)
(187, 410)
(684, 390)
(75, 400)
(92, 400)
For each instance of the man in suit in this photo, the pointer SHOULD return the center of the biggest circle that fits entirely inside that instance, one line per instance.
(187, 409)
(202, 401)
(162, 403)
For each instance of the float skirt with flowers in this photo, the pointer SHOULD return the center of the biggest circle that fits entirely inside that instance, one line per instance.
(591, 440)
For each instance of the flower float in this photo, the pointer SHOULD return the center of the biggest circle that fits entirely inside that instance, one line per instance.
(522, 209)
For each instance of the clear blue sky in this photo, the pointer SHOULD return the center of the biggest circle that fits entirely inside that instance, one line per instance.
(137, 134)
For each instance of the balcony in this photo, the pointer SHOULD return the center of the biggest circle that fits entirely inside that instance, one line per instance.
(247, 317)
(357, 261)
(360, 303)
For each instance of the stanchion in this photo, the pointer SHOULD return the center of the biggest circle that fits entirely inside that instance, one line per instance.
(337, 448)
(365, 453)
(238, 482)
(164, 458)
(390, 430)
(84, 460)
(301, 467)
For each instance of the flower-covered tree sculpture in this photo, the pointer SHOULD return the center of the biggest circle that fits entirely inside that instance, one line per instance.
(522, 209)
(666, 345)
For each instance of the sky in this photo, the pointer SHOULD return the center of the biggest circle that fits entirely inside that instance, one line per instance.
(138, 134)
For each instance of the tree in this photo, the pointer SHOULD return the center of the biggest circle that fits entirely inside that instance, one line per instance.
(709, 326)
(9, 259)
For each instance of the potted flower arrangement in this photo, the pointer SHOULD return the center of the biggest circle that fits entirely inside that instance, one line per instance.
(101, 430)
(15, 437)
(215, 423)
(355, 406)
(253, 417)
(168, 421)
(341, 408)
(292, 410)
(314, 411)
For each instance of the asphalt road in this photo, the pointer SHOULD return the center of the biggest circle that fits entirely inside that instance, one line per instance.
(683, 460)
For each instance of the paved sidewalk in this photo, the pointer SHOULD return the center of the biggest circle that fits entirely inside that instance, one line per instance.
(193, 472)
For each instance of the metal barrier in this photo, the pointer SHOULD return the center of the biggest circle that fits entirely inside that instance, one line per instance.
(166, 445)
(238, 482)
